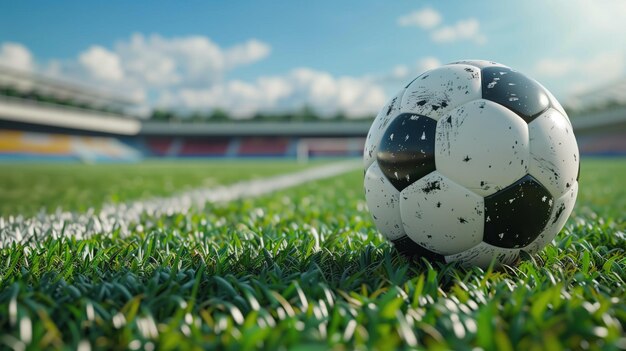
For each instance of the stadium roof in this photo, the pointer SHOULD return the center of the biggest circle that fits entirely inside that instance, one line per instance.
(601, 96)
(20, 111)
(60, 88)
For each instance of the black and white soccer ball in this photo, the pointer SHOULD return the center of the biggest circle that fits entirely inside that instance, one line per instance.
(471, 162)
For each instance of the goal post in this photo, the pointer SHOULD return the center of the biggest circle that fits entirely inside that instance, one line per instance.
(302, 151)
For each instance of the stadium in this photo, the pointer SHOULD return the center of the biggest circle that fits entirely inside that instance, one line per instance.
(169, 212)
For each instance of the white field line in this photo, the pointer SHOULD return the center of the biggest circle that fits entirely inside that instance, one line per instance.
(124, 217)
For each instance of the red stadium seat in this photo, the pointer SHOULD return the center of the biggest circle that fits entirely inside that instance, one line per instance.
(264, 147)
(204, 147)
(159, 146)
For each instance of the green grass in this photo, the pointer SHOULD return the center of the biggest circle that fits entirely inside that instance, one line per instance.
(305, 269)
(27, 188)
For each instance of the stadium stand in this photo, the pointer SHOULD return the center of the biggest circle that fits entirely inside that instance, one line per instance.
(18, 145)
(159, 146)
(263, 147)
(332, 147)
(197, 147)
(603, 144)
(252, 146)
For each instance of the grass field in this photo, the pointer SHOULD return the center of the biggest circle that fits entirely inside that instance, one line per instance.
(27, 188)
(302, 269)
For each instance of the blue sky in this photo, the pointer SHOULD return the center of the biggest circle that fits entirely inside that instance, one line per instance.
(247, 56)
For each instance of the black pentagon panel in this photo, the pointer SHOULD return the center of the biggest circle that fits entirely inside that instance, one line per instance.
(515, 91)
(410, 248)
(516, 215)
(407, 149)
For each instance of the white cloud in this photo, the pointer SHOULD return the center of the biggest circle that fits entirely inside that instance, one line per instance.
(468, 29)
(246, 53)
(193, 60)
(102, 64)
(426, 18)
(602, 67)
(190, 73)
(551, 67)
(402, 73)
(142, 67)
(16, 56)
(578, 76)
(427, 63)
(429, 19)
(153, 61)
(605, 16)
(605, 66)
(325, 93)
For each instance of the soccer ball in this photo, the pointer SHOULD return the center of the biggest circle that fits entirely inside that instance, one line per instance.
(471, 162)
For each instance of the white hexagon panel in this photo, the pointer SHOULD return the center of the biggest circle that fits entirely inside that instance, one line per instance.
(561, 211)
(554, 154)
(555, 104)
(482, 254)
(383, 201)
(438, 91)
(482, 146)
(479, 63)
(441, 215)
(384, 117)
